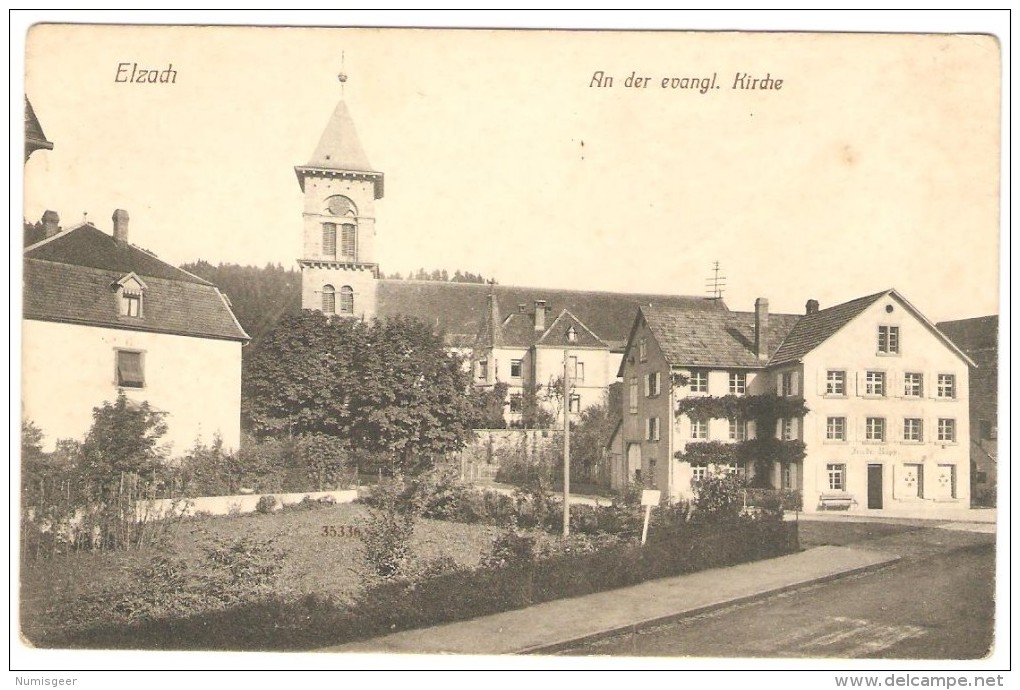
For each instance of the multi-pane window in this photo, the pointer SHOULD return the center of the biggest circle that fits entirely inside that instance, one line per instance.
(889, 339)
(328, 299)
(653, 429)
(348, 241)
(577, 368)
(633, 395)
(129, 369)
(738, 430)
(699, 470)
(947, 386)
(699, 381)
(913, 384)
(837, 476)
(913, 429)
(575, 402)
(346, 300)
(131, 304)
(835, 382)
(483, 369)
(786, 384)
(874, 383)
(653, 384)
(329, 239)
(735, 468)
(699, 429)
(642, 350)
(947, 430)
(874, 429)
(738, 383)
(516, 368)
(516, 403)
(835, 428)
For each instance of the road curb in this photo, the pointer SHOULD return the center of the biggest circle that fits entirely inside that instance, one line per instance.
(560, 645)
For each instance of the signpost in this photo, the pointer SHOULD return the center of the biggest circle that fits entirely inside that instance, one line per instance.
(649, 498)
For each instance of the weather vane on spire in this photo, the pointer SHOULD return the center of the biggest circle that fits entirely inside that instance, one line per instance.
(342, 76)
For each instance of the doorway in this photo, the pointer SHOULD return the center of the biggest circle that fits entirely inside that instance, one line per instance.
(874, 486)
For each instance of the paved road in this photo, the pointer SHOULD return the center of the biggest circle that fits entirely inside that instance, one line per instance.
(936, 603)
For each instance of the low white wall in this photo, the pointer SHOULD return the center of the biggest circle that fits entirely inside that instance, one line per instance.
(227, 505)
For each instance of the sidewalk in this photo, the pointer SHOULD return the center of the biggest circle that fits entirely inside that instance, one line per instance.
(554, 625)
(976, 515)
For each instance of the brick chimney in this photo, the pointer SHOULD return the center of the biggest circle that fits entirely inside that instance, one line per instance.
(493, 314)
(761, 328)
(540, 315)
(811, 307)
(51, 223)
(120, 225)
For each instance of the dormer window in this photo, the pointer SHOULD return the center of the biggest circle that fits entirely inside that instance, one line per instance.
(130, 291)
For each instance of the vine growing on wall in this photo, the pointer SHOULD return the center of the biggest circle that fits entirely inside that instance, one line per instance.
(763, 452)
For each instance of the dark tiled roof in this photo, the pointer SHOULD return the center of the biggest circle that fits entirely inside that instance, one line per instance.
(68, 290)
(712, 339)
(973, 335)
(814, 329)
(556, 334)
(459, 309)
(34, 136)
(339, 147)
(86, 245)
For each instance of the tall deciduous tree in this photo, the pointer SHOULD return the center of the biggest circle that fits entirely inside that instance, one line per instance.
(388, 386)
(123, 440)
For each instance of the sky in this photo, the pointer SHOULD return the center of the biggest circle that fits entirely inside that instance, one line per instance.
(876, 164)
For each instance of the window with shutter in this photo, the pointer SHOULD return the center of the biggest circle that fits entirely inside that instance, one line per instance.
(328, 299)
(349, 242)
(346, 300)
(329, 240)
(129, 369)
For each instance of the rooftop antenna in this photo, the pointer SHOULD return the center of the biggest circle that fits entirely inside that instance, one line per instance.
(716, 284)
(342, 76)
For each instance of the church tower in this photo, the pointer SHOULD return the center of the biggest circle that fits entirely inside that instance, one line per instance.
(338, 268)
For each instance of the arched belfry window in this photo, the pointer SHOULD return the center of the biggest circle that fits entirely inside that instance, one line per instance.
(329, 299)
(346, 300)
(329, 240)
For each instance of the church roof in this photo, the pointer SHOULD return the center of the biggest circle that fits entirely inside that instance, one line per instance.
(340, 151)
(70, 278)
(460, 309)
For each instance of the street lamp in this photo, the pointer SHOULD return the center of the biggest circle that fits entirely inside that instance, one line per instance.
(570, 340)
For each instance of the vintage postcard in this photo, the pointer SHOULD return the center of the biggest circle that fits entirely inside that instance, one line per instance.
(323, 328)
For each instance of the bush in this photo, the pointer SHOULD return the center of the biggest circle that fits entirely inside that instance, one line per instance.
(522, 570)
(386, 531)
(775, 499)
(266, 505)
(718, 498)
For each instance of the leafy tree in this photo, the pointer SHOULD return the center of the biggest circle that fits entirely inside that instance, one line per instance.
(596, 427)
(533, 414)
(487, 406)
(122, 441)
(385, 387)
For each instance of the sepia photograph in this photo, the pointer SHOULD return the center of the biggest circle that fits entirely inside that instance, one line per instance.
(406, 346)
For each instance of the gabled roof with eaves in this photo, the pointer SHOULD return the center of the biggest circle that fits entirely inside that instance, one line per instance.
(556, 334)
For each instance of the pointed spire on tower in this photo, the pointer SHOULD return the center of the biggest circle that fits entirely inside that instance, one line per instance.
(339, 151)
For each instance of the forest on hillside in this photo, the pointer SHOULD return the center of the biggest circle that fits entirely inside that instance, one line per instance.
(260, 297)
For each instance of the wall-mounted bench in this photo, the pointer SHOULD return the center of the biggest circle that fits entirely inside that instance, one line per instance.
(836, 502)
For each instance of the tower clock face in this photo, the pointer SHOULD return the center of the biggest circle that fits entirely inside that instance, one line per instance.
(341, 206)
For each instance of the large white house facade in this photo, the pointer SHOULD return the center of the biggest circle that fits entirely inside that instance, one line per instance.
(103, 317)
(886, 424)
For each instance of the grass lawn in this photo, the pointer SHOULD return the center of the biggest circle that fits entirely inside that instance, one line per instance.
(314, 564)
